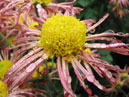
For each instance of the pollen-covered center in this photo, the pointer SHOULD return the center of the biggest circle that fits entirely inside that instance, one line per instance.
(63, 35)
(43, 1)
(3, 89)
(4, 66)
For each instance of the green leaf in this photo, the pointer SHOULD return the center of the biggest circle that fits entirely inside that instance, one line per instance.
(85, 3)
(90, 14)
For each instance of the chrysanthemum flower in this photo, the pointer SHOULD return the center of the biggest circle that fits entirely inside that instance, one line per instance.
(67, 38)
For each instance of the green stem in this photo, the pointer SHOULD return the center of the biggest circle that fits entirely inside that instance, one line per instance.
(5, 38)
(52, 85)
(76, 84)
(49, 80)
(50, 95)
(61, 93)
(52, 63)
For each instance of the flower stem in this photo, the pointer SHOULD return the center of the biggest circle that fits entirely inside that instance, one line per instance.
(76, 84)
(52, 63)
(5, 38)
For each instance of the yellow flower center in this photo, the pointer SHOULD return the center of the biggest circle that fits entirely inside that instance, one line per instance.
(63, 35)
(3, 89)
(43, 1)
(4, 66)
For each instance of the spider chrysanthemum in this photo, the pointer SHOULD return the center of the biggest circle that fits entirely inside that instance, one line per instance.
(63, 35)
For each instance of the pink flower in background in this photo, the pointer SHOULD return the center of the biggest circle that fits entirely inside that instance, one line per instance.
(118, 7)
(120, 3)
(120, 12)
(121, 84)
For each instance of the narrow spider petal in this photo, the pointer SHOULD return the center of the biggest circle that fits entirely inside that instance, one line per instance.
(98, 23)
(103, 38)
(120, 48)
(64, 3)
(108, 33)
(17, 64)
(63, 81)
(17, 46)
(25, 39)
(27, 73)
(104, 46)
(23, 49)
(88, 90)
(89, 22)
(88, 75)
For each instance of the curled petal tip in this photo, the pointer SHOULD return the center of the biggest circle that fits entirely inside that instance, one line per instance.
(104, 88)
(89, 91)
(107, 14)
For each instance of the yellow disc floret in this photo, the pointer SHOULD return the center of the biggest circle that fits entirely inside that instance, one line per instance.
(4, 66)
(3, 89)
(63, 35)
(43, 1)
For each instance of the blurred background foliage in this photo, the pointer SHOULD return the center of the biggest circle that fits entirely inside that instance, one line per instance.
(94, 9)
